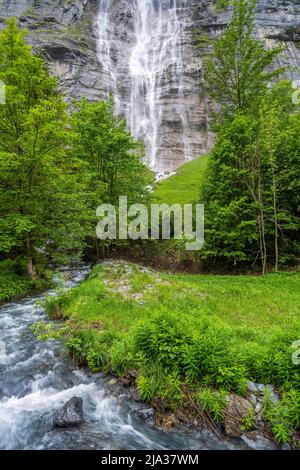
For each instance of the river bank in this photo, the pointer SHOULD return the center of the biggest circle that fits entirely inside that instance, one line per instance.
(191, 345)
(38, 378)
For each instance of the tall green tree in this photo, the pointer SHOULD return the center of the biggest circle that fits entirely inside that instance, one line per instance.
(250, 218)
(113, 158)
(280, 148)
(102, 140)
(240, 69)
(251, 191)
(41, 184)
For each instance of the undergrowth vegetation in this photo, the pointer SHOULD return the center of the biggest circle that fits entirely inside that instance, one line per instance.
(208, 334)
(15, 284)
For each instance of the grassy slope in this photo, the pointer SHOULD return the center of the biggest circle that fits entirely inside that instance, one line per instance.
(183, 187)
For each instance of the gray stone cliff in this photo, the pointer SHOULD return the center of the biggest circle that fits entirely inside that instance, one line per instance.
(67, 33)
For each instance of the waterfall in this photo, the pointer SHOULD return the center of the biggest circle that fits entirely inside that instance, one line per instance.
(105, 52)
(141, 51)
(156, 58)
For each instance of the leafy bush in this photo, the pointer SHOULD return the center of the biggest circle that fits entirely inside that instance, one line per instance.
(97, 359)
(157, 383)
(283, 416)
(15, 284)
(205, 353)
(191, 333)
(248, 423)
(75, 347)
(49, 331)
(162, 340)
(85, 348)
(170, 390)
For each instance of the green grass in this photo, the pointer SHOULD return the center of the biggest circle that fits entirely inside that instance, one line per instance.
(205, 331)
(184, 187)
(252, 306)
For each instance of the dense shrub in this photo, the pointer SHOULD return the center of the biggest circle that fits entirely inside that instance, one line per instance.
(14, 284)
(284, 416)
(163, 340)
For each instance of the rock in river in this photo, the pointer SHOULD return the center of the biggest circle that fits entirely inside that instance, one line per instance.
(71, 414)
(235, 413)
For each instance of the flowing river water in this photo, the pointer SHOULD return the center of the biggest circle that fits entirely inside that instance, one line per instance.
(37, 379)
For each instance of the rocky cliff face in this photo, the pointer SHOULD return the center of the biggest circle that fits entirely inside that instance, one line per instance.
(63, 30)
(277, 21)
(150, 54)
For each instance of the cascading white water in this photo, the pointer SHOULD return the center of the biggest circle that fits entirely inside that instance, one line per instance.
(155, 59)
(105, 53)
(140, 47)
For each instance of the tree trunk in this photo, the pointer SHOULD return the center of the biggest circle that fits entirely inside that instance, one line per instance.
(97, 250)
(275, 220)
(260, 198)
(263, 230)
(31, 270)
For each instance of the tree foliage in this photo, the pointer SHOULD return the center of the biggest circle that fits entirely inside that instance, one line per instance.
(251, 190)
(40, 187)
(57, 165)
(240, 69)
(101, 139)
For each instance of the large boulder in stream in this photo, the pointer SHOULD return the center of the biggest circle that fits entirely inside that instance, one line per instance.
(71, 414)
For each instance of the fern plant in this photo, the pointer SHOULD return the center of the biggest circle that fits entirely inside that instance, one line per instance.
(212, 401)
